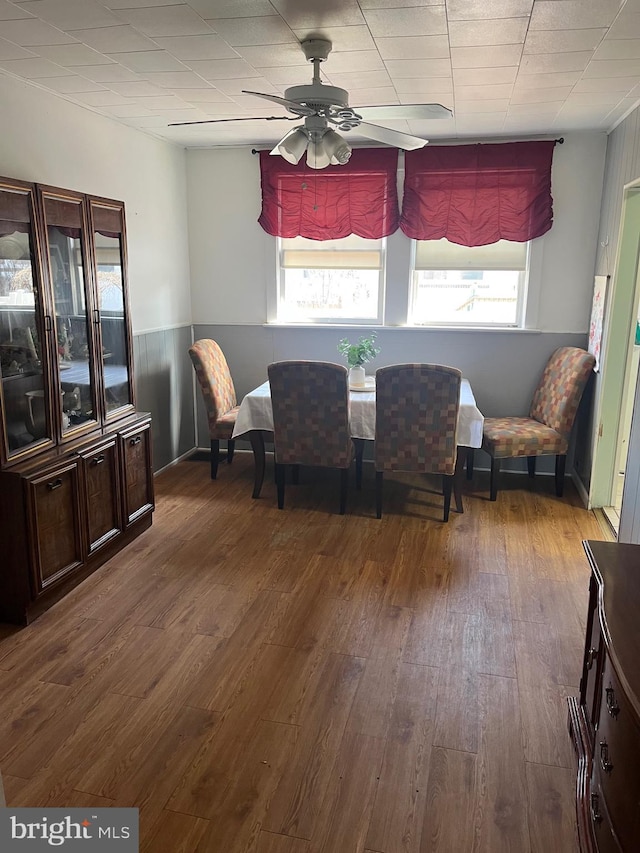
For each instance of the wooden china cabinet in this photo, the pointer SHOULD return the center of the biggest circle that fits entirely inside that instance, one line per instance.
(604, 721)
(76, 480)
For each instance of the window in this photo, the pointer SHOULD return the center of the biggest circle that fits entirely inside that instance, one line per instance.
(331, 281)
(463, 285)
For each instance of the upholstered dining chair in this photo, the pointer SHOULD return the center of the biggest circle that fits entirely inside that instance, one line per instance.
(310, 401)
(219, 396)
(547, 429)
(416, 423)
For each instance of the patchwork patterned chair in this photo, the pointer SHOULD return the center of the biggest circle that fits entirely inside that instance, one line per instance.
(548, 428)
(416, 423)
(310, 401)
(219, 396)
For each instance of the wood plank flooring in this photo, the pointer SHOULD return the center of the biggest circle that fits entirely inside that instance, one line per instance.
(265, 681)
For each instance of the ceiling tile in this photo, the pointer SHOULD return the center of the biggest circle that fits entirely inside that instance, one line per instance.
(481, 106)
(343, 62)
(209, 94)
(220, 69)
(121, 39)
(72, 54)
(288, 75)
(561, 41)
(101, 99)
(138, 4)
(626, 25)
(312, 14)
(401, 68)
(362, 80)
(613, 68)
(176, 79)
(618, 49)
(606, 84)
(547, 81)
(486, 57)
(33, 32)
(479, 33)
(196, 47)
(542, 108)
(420, 90)
(113, 73)
(166, 21)
(11, 12)
(269, 29)
(73, 14)
(484, 76)
(226, 109)
(71, 84)
(413, 47)
(494, 93)
(419, 21)
(543, 63)
(536, 96)
(9, 50)
(397, 4)
(149, 60)
(162, 102)
(249, 84)
(226, 8)
(611, 98)
(573, 14)
(271, 56)
(468, 125)
(34, 69)
(373, 96)
(128, 110)
(470, 10)
(137, 89)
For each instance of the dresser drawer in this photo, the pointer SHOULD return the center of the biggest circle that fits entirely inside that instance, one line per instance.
(602, 829)
(617, 758)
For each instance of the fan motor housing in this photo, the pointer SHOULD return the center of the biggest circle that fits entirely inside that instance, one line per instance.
(317, 96)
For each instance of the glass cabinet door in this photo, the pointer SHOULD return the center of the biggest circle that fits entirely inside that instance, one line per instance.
(108, 236)
(64, 221)
(25, 393)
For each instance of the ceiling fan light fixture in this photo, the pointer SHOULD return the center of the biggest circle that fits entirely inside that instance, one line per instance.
(317, 156)
(292, 146)
(337, 148)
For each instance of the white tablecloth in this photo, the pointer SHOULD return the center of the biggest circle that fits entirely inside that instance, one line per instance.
(256, 413)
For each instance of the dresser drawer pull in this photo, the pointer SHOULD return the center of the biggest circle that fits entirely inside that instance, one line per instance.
(596, 817)
(134, 441)
(606, 765)
(54, 484)
(592, 654)
(98, 460)
(612, 706)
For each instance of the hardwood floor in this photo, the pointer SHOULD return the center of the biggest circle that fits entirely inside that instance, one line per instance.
(265, 681)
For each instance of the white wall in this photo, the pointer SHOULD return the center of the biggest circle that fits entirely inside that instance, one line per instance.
(233, 261)
(48, 140)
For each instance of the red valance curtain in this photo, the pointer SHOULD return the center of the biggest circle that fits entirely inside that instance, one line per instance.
(358, 198)
(478, 194)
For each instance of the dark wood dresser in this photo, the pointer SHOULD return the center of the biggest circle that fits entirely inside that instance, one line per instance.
(604, 721)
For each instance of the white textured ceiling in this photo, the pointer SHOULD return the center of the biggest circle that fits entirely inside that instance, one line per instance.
(505, 67)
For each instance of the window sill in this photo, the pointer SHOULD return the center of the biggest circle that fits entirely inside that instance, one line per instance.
(404, 328)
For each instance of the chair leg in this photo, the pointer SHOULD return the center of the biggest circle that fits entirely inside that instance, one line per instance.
(495, 470)
(231, 446)
(560, 465)
(531, 465)
(344, 483)
(280, 476)
(359, 446)
(447, 483)
(379, 494)
(469, 463)
(457, 479)
(215, 457)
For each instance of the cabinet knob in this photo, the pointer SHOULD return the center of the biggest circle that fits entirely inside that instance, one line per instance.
(134, 441)
(54, 484)
(98, 460)
(612, 706)
(592, 654)
(596, 817)
(605, 763)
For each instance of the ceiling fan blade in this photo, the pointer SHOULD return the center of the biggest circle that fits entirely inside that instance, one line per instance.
(244, 118)
(391, 137)
(290, 105)
(403, 111)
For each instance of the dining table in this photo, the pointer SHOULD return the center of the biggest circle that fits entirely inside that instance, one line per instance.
(255, 418)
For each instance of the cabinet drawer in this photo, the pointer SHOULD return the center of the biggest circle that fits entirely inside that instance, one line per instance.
(137, 475)
(617, 756)
(102, 486)
(55, 520)
(592, 665)
(602, 829)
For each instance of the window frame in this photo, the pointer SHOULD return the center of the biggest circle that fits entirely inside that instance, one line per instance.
(378, 320)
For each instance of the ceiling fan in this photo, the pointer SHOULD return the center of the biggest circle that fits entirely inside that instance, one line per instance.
(324, 107)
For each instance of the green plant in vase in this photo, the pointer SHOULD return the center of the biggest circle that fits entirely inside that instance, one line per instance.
(358, 355)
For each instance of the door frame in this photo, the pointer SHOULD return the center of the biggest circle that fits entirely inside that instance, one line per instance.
(616, 349)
